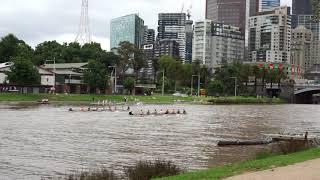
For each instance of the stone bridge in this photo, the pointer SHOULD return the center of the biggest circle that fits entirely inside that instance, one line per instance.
(303, 93)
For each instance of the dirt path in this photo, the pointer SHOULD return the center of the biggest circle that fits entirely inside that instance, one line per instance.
(309, 170)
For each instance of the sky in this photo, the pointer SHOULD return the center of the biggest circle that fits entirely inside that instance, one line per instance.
(36, 21)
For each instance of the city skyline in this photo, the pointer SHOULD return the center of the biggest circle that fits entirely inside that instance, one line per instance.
(37, 21)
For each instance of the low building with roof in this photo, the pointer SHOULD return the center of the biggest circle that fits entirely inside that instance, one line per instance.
(68, 77)
(47, 81)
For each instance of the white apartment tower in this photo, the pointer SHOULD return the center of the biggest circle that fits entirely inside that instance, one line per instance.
(216, 43)
(270, 36)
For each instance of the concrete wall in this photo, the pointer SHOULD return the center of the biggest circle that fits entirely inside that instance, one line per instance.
(47, 80)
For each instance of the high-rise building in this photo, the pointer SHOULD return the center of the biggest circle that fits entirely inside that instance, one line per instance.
(167, 47)
(232, 12)
(303, 16)
(302, 7)
(189, 41)
(267, 5)
(149, 36)
(127, 28)
(270, 36)
(173, 26)
(305, 52)
(217, 43)
(149, 51)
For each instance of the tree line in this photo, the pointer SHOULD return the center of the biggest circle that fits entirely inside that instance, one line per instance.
(169, 71)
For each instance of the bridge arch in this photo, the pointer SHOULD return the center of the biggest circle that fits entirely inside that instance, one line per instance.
(305, 96)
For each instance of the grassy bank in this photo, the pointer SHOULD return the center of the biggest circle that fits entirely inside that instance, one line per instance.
(245, 100)
(254, 165)
(156, 99)
(6, 97)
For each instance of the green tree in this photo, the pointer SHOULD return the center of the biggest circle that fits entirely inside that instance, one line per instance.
(91, 50)
(109, 59)
(23, 73)
(47, 50)
(215, 88)
(96, 75)
(129, 84)
(130, 57)
(11, 46)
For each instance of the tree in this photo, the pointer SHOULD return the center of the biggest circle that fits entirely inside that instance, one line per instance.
(96, 75)
(129, 84)
(130, 57)
(23, 73)
(48, 50)
(215, 88)
(11, 46)
(109, 59)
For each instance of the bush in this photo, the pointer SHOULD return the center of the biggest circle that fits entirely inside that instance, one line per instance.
(101, 174)
(293, 146)
(146, 170)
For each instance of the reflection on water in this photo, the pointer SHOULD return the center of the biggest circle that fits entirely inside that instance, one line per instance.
(47, 141)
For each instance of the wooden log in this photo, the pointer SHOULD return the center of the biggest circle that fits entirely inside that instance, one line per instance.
(242, 143)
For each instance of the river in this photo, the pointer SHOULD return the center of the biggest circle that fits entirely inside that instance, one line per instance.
(45, 141)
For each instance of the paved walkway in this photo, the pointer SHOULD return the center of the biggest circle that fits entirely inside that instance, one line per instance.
(309, 170)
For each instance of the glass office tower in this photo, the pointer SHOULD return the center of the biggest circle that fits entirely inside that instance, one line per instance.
(127, 28)
(269, 4)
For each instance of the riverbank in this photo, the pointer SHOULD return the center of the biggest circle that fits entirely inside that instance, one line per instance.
(249, 166)
(245, 100)
(156, 99)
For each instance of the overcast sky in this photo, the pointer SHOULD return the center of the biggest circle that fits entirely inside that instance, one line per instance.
(36, 21)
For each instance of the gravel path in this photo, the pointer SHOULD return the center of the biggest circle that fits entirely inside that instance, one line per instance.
(309, 170)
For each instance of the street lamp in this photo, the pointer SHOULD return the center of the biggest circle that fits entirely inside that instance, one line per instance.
(235, 86)
(54, 72)
(115, 77)
(163, 83)
(198, 84)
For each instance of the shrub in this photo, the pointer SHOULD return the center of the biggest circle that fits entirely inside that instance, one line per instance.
(146, 170)
(293, 146)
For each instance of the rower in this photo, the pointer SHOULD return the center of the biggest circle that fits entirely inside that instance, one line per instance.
(184, 111)
(178, 112)
(167, 112)
(141, 113)
(70, 109)
(128, 109)
(148, 112)
(155, 112)
(131, 113)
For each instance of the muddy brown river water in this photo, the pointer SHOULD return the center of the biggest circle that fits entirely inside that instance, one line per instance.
(46, 141)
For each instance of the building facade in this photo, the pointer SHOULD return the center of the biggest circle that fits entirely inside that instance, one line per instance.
(173, 26)
(166, 47)
(189, 41)
(301, 41)
(303, 16)
(270, 36)
(301, 7)
(217, 43)
(267, 5)
(127, 28)
(148, 48)
(231, 12)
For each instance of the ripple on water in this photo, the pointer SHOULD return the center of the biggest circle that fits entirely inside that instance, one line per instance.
(46, 141)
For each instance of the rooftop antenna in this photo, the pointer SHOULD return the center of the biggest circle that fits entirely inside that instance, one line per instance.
(189, 12)
(182, 8)
(84, 35)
